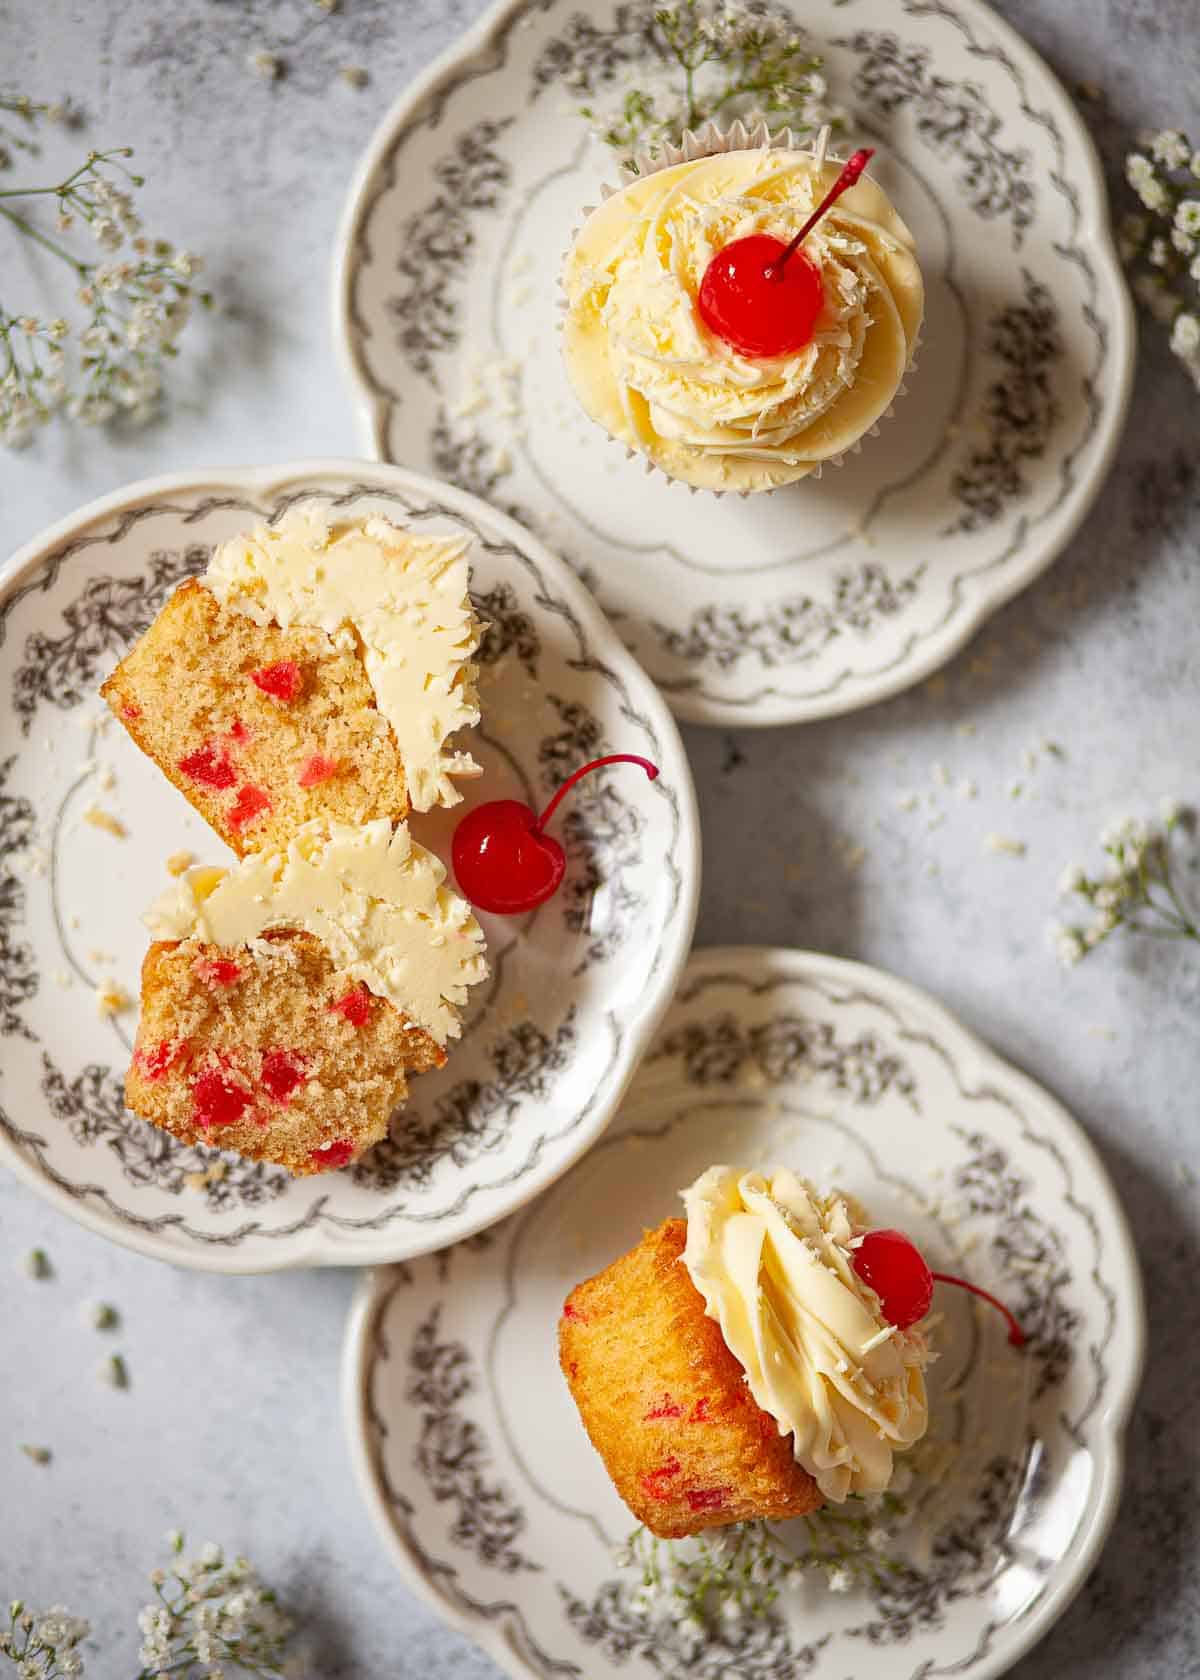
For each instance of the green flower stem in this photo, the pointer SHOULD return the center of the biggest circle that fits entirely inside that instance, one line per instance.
(87, 167)
(39, 238)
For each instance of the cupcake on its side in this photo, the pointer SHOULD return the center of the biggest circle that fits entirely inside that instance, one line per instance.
(735, 1365)
(286, 1000)
(318, 668)
(647, 367)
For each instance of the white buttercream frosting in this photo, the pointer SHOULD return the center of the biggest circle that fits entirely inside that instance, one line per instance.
(645, 365)
(376, 900)
(773, 1260)
(405, 600)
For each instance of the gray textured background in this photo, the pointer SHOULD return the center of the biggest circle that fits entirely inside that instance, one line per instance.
(232, 1425)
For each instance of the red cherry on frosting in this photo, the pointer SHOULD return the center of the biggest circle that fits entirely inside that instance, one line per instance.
(503, 859)
(760, 314)
(895, 1269)
(763, 297)
(893, 1266)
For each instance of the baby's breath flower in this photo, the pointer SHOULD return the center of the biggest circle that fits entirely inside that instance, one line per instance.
(711, 60)
(1164, 249)
(1136, 889)
(1187, 216)
(1170, 148)
(136, 306)
(1185, 335)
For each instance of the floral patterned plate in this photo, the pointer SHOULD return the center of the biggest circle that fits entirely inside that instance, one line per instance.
(831, 594)
(496, 1509)
(576, 987)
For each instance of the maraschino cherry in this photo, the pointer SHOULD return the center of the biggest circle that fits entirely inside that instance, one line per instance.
(763, 297)
(503, 859)
(895, 1269)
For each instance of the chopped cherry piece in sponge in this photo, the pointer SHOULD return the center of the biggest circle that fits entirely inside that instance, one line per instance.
(210, 765)
(355, 1007)
(318, 769)
(250, 804)
(656, 1482)
(155, 1061)
(282, 1072)
(283, 680)
(335, 1154)
(218, 1101)
(706, 1499)
(217, 971)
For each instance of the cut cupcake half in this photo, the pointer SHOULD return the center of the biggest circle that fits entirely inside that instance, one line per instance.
(286, 1001)
(318, 668)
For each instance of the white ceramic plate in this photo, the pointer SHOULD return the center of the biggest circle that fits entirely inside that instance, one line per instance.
(830, 594)
(477, 1470)
(576, 988)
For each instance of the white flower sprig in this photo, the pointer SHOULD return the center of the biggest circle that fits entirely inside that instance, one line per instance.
(1136, 891)
(211, 1619)
(1162, 247)
(138, 296)
(43, 1646)
(739, 1571)
(211, 1613)
(723, 60)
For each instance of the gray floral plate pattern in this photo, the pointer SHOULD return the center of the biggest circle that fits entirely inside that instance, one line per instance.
(831, 594)
(487, 1493)
(576, 987)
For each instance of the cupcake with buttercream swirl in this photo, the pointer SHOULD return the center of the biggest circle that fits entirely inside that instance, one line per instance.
(648, 368)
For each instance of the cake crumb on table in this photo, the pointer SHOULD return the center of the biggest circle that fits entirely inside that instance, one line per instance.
(111, 999)
(105, 820)
(1004, 843)
(180, 862)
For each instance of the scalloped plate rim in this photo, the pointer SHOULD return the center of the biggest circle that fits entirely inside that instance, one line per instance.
(316, 1246)
(775, 709)
(492, 1635)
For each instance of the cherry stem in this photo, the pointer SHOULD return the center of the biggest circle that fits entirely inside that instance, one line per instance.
(1015, 1333)
(853, 168)
(586, 770)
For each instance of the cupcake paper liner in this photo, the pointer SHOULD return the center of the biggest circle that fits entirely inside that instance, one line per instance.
(710, 140)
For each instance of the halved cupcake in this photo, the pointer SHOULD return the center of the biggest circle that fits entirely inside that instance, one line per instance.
(319, 668)
(286, 1001)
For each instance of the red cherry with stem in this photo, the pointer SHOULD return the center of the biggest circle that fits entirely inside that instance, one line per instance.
(503, 859)
(756, 297)
(892, 1265)
(759, 315)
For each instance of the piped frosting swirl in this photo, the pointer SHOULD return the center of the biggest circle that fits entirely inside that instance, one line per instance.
(773, 1260)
